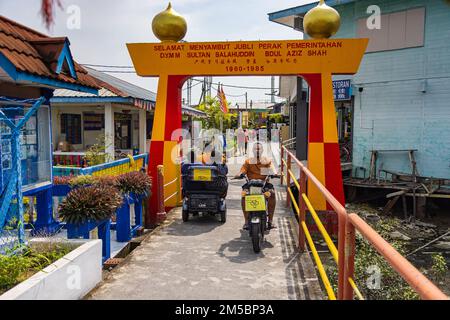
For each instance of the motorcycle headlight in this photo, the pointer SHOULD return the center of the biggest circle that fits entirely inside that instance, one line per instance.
(267, 194)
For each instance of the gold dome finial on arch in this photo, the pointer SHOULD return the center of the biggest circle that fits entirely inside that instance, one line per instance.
(169, 25)
(322, 21)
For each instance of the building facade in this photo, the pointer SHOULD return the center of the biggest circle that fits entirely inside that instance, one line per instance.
(400, 98)
(32, 66)
(118, 115)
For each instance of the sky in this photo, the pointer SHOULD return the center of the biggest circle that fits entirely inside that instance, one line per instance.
(107, 25)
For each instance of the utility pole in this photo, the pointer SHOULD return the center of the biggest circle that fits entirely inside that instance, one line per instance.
(246, 102)
(272, 86)
(204, 91)
(246, 107)
(189, 92)
(239, 116)
(208, 81)
(203, 95)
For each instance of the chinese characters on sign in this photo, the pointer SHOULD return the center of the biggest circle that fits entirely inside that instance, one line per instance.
(246, 58)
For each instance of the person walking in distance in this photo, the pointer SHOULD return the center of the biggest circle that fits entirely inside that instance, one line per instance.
(241, 141)
(246, 140)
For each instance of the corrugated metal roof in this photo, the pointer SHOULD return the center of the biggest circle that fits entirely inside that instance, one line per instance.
(129, 89)
(301, 10)
(186, 110)
(110, 87)
(103, 92)
(115, 87)
(24, 47)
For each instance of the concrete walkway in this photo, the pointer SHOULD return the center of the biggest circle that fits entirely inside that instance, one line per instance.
(205, 259)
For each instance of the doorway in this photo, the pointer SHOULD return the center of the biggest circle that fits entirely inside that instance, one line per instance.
(122, 131)
(344, 113)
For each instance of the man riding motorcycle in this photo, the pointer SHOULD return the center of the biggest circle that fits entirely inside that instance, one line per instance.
(258, 167)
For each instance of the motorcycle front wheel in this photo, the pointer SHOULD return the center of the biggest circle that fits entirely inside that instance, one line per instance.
(256, 236)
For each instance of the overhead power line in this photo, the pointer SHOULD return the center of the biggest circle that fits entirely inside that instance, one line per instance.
(192, 86)
(239, 87)
(116, 71)
(131, 67)
(106, 66)
(230, 95)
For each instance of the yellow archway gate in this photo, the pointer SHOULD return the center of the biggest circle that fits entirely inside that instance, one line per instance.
(315, 60)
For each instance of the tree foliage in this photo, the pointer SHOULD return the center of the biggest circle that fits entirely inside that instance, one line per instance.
(214, 114)
(275, 118)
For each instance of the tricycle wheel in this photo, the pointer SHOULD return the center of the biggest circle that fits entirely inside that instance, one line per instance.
(185, 215)
(223, 216)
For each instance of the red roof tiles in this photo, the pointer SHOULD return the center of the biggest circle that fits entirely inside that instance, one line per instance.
(35, 53)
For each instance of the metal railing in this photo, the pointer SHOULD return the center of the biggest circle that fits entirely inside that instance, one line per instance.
(348, 223)
(289, 143)
(161, 188)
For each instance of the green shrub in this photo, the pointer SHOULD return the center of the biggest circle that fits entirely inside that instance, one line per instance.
(85, 180)
(275, 117)
(439, 267)
(15, 268)
(82, 180)
(96, 154)
(97, 202)
(368, 261)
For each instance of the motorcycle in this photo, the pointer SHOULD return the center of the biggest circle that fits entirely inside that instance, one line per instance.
(256, 197)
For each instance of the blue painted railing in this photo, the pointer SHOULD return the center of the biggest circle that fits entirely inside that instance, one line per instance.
(82, 231)
(125, 230)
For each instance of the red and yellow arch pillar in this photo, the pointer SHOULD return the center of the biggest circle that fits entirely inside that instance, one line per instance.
(164, 146)
(323, 147)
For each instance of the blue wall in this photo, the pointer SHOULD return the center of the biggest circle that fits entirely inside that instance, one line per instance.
(392, 112)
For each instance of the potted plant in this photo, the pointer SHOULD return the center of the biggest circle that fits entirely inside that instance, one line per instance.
(105, 181)
(96, 154)
(82, 180)
(61, 186)
(135, 186)
(89, 207)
